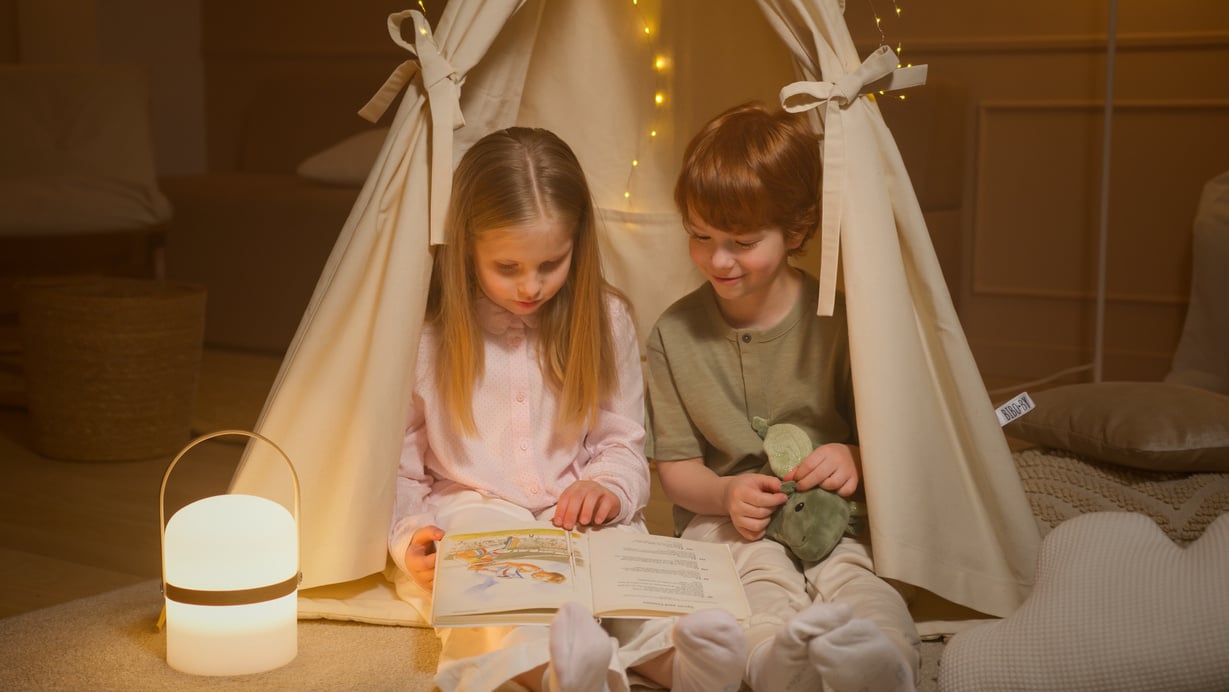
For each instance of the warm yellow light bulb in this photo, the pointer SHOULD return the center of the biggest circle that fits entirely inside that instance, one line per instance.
(659, 98)
(659, 63)
(646, 31)
(635, 162)
(653, 133)
(627, 195)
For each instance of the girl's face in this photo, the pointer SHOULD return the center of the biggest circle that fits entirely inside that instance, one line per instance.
(739, 266)
(520, 268)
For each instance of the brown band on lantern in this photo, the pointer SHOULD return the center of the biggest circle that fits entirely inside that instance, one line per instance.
(234, 596)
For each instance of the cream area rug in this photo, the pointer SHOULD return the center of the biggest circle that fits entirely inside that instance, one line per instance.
(109, 642)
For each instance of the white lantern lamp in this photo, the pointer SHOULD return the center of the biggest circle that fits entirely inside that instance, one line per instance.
(230, 578)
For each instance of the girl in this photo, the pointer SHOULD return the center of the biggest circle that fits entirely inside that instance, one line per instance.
(528, 402)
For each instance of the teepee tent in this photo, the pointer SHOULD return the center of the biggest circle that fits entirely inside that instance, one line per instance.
(947, 509)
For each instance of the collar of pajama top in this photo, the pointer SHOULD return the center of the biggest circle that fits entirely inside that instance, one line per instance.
(497, 321)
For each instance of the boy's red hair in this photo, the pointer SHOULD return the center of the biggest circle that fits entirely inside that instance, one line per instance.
(749, 169)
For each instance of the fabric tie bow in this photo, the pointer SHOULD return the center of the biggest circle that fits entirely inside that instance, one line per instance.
(443, 89)
(877, 73)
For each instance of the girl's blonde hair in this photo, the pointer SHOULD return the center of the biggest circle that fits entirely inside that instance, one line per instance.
(509, 179)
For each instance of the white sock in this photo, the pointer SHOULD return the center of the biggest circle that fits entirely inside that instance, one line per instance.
(579, 652)
(784, 663)
(710, 651)
(857, 656)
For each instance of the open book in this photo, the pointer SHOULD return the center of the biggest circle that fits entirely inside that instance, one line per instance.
(522, 574)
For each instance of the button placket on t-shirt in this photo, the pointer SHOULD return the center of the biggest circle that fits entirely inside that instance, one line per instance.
(753, 375)
(521, 418)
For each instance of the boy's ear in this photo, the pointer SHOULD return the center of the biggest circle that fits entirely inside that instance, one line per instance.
(793, 241)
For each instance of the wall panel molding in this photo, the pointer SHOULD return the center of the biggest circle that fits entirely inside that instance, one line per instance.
(1036, 194)
(1022, 362)
(1058, 43)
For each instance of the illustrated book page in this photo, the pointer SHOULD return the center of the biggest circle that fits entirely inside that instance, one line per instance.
(522, 574)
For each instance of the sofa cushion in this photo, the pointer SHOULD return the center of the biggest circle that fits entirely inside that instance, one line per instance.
(78, 155)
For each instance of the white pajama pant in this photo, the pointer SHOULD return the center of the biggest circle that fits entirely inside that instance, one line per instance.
(778, 586)
(479, 659)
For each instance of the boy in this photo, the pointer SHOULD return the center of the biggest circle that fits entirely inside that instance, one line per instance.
(748, 344)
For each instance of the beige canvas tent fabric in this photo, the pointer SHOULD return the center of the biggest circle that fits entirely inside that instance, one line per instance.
(947, 509)
(947, 506)
(338, 406)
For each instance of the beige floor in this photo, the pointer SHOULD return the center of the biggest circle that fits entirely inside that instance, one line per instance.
(70, 530)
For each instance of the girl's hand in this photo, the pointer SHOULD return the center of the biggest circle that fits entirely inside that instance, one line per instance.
(833, 466)
(420, 556)
(750, 499)
(587, 503)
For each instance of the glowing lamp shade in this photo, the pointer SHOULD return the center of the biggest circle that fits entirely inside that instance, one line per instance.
(231, 577)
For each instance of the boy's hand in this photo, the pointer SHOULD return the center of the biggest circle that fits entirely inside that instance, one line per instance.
(586, 503)
(420, 556)
(833, 466)
(750, 499)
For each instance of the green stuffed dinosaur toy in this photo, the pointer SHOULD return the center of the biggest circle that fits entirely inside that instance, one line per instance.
(810, 523)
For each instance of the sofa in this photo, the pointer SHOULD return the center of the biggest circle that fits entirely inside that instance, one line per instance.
(257, 231)
(78, 189)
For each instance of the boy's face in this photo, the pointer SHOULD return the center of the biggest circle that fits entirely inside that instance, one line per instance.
(739, 266)
(521, 268)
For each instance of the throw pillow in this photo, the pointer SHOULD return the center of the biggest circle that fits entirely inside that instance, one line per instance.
(1117, 607)
(1156, 426)
(348, 162)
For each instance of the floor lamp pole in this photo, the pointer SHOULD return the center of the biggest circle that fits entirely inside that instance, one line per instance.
(1106, 146)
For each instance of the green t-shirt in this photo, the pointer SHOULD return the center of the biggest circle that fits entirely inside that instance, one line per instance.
(707, 381)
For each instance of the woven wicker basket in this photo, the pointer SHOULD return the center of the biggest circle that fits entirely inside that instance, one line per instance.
(111, 365)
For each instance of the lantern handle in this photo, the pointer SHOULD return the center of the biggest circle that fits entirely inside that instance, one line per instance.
(294, 477)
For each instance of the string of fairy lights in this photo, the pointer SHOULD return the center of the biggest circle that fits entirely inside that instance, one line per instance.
(883, 38)
(661, 64)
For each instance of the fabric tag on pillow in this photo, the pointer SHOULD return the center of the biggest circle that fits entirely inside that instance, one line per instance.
(1021, 404)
